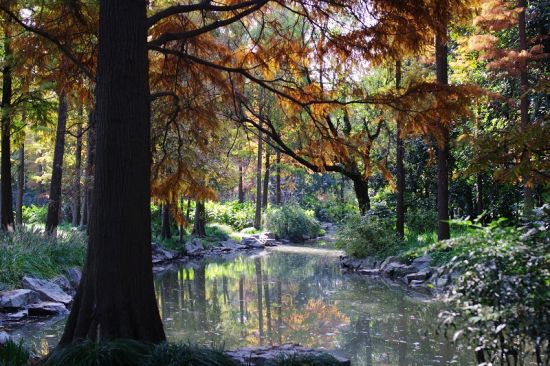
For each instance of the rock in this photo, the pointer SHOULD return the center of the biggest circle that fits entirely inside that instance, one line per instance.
(194, 247)
(397, 270)
(418, 276)
(16, 299)
(18, 316)
(369, 271)
(262, 355)
(229, 244)
(252, 242)
(352, 263)
(74, 275)
(370, 262)
(268, 235)
(47, 290)
(47, 308)
(417, 283)
(65, 285)
(422, 263)
(441, 281)
(270, 243)
(4, 337)
(162, 255)
(390, 259)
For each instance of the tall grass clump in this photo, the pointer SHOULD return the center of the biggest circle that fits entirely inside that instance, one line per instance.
(28, 251)
(292, 222)
(13, 354)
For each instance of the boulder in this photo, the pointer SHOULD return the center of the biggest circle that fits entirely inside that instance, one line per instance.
(268, 235)
(4, 337)
(47, 308)
(229, 244)
(47, 290)
(397, 270)
(352, 263)
(194, 247)
(65, 285)
(252, 242)
(18, 316)
(370, 262)
(422, 263)
(418, 276)
(263, 355)
(74, 275)
(16, 299)
(162, 255)
(389, 260)
(369, 271)
(270, 242)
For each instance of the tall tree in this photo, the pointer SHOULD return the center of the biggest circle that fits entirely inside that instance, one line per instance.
(6, 211)
(54, 202)
(400, 166)
(88, 169)
(76, 209)
(241, 187)
(116, 297)
(165, 231)
(265, 194)
(278, 193)
(199, 223)
(20, 185)
(258, 212)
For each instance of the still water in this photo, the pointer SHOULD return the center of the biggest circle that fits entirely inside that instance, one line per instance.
(291, 295)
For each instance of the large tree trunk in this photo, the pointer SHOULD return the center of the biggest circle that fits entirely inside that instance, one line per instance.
(77, 173)
(165, 231)
(89, 169)
(265, 194)
(258, 214)
(241, 187)
(400, 165)
(54, 203)
(20, 186)
(361, 188)
(116, 297)
(278, 198)
(443, 231)
(6, 211)
(199, 224)
(524, 105)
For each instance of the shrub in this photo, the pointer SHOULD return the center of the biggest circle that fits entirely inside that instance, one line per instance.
(34, 214)
(13, 354)
(333, 211)
(421, 220)
(235, 214)
(369, 235)
(30, 252)
(292, 222)
(502, 299)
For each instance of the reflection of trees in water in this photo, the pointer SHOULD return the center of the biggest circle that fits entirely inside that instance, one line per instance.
(259, 303)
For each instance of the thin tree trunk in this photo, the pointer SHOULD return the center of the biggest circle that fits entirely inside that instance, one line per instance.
(116, 297)
(199, 225)
(188, 212)
(361, 188)
(278, 196)
(258, 214)
(20, 186)
(342, 186)
(400, 156)
(54, 203)
(524, 105)
(166, 233)
(181, 229)
(77, 172)
(443, 231)
(6, 211)
(265, 195)
(479, 194)
(89, 169)
(241, 187)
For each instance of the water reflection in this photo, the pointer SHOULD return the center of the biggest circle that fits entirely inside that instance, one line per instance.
(281, 297)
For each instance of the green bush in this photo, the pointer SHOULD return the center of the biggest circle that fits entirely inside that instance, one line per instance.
(34, 214)
(369, 235)
(501, 300)
(334, 211)
(235, 214)
(292, 222)
(13, 354)
(30, 252)
(421, 220)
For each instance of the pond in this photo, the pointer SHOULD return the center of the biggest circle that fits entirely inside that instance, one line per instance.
(291, 295)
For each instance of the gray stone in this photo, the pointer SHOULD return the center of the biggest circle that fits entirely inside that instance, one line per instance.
(268, 235)
(16, 299)
(389, 260)
(418, 276)
(47, 290)
(441, 281)
(4, 337)
(252, 242)
(229, 244)
(65, 285)
(417, 283)
(352, 263)
(162, 255)
(47, 308)
(369, 271)
(397, 270)
(262, 355)
(270, 243)
(18, 316)
(422, 263)
(370, 262)
(74, 275)
(194, 247)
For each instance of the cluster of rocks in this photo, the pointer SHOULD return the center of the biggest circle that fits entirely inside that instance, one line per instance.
(39, 297)
(419, 274)
(263, 355)
(195, 247)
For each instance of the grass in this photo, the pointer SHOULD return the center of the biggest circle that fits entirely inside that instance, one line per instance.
(28, 251)
(13, 354)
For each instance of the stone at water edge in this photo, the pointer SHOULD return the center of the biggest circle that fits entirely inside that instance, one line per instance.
(4, 337)
(390, 260)
(48, 291)
(74, 275)
(268, 235)
(194, 247)
(419, 276)
(422, 263)
(65, 285)
(16, 299)
(47, 308)
(20, 315)
(369, 271)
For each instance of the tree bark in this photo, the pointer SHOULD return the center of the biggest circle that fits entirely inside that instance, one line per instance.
(241, 187)
(278, 195)
(479, 194)
(258, 214)
(89, 169)
(165, 229)
(361, 188)
(443, 231)
(20, 186)
(6, 211)
(54, 203)
(77, 173)
(265, 195)
(528, 198)
(199, 224)
(116, 297)
(400, 165)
